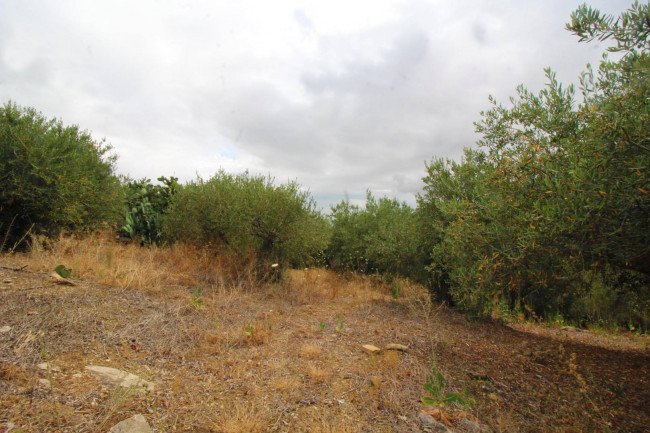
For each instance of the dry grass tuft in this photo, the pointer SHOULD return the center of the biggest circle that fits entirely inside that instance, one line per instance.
(310, 351)
(317, 373)
(392, 359)
(243, 418)
(100, 258)
(257, 333)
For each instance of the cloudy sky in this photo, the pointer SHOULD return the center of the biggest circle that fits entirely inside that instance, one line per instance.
(339, 95)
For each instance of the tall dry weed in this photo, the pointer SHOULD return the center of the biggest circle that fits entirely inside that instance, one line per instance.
(101, 258)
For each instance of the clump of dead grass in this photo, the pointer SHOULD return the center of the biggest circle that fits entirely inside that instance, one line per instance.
(101, 258)
(243, 418)
(318, 373)
(312, 285)
(310, 351)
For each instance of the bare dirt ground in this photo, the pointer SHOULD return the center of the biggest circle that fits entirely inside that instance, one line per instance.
(288, 358)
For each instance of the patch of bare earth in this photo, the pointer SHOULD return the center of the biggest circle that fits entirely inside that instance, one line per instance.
(289, 358)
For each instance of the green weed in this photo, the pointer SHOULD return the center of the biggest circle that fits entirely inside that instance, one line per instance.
(339, 323)
(436, 386)
(196, 299)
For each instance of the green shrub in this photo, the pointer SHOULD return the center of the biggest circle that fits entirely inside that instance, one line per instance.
(381, 238)
(145, 205)
(53, 177)
(248, 215)
(552, 213)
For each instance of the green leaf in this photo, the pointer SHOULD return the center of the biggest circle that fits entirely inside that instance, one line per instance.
(428, 400)
(454, 397)
(431, 388)
(62, 271)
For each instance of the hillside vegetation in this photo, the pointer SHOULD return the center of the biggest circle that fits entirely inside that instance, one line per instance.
(248, 307)
(545, 219)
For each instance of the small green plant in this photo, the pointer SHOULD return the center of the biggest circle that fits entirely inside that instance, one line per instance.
(196, 299)
(437, 395)
(320, 326)
(248, 330)
(146, 203)
(339, 323)
(62, 271)
(396, 289)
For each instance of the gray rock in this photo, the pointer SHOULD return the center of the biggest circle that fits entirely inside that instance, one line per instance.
(121, 378)
(430, 424)
(468, 426)
(48, 366)
(135, 424)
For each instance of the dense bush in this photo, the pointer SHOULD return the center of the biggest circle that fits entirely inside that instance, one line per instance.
(248, 215)
(381, 238)
(551, 215)
(53, 177)
(145, 205)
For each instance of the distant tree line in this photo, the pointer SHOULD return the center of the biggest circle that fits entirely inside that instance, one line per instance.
(548, 217)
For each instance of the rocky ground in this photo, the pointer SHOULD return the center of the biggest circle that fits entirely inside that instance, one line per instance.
(290, 358)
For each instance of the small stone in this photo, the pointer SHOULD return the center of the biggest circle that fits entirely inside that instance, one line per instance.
(135, 424)
(119, 377)
(370, 349)
(45, 382)
(430, 424)
(400, 347)
(468, 426)
(46, 366)
(5, 329)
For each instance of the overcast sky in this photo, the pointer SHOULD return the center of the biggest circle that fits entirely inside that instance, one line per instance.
(339, 95)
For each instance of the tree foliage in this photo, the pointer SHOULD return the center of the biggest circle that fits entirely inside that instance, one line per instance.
(551, 214)
(53, 177)
(383, 238)
(247, 214)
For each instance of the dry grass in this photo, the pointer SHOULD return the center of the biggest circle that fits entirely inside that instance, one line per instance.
(101, 259)
(243, 418)
(241, 357)
(310, 351)
(317, 373)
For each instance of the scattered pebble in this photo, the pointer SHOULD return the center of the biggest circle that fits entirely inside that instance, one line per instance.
(119, 377)
(135, 424)
(372, 350)
(400, 347)
(46, 366)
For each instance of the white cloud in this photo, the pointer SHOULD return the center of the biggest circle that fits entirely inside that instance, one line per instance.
(341, 96)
